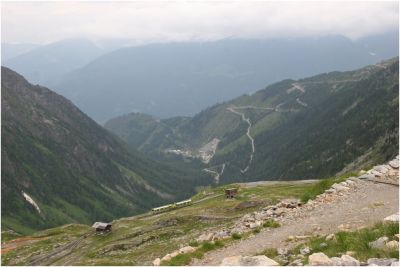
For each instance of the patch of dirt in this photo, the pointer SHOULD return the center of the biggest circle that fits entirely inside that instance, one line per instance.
(16, 243)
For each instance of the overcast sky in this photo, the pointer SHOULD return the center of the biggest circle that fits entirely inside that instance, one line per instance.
(151, 21)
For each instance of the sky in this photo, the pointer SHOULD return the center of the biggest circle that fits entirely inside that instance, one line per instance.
(165, 21)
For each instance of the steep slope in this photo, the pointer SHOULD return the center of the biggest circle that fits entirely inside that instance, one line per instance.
(308, 128)
(59, 166)
(180, 79)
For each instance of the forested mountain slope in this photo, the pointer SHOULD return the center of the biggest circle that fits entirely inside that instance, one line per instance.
(59, 166)
(293, 129)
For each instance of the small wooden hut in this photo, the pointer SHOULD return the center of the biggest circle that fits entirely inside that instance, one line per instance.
(102, 227)
(231, 192)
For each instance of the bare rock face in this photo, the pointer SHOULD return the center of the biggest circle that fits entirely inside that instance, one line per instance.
(319, 259)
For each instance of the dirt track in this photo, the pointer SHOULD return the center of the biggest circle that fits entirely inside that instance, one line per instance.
(364, 206)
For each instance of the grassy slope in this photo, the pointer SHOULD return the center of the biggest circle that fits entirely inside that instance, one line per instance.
(140, 240)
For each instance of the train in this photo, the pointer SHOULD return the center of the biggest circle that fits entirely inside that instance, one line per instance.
(175, 205)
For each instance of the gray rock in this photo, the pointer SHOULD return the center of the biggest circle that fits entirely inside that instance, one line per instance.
(330, 191)
(305, 251)
(282, 251)
(323, 245)
(381, 262)
(380, 243)
(366, 176)
(381, 168)
(395, 263)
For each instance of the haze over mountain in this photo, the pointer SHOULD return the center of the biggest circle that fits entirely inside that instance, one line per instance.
(59, 166)
(174, 79)
(12, 50)
(46, 64)
(294, 129)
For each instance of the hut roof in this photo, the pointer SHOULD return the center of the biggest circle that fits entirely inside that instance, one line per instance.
(101, 225)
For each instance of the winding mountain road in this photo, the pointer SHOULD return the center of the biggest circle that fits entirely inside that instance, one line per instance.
(247, 120)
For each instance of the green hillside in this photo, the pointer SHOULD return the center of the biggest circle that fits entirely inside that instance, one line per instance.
(307, 128)
(59, 166)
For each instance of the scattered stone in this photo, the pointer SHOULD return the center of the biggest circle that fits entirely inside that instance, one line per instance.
(231, 261)
(344, 227)
(383, 169)
(301, 237)
(205, 237)
(380, 243)
(330, 191)
(381, 262)
(347, 260)
(323, 245)
(156, 262)
(392, 218)
(395, 263)
(248, 261)
(319, 259)
(297, 262)
(305, 251)
(330, 237)
(187, 249)
(366, 176)
(339, 187)
(257, 261)
(392, 245)
(291, 238)
(394, 164)
(282, 251)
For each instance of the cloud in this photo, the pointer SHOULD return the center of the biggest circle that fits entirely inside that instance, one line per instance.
(151, 21)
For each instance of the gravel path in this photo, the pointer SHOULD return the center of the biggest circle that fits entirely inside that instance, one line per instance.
(365, 205)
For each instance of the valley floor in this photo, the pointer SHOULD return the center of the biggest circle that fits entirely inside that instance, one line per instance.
(367, 204)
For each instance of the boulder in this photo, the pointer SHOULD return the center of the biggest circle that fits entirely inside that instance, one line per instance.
(330, 191)
(319, 259)
(392, 218)
(381, 262)
(392, 245)
(279, 211)
(380, 243)
(394, 164)
(330, 237)
(231, 261)
(339, 187)
(187, 249)
(156, 262)
(174, 254)
(336, 261)
(257, 261)
(166, 257)
(382, 169)
(349, 261)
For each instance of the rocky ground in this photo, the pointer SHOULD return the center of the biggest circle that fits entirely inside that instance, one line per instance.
(355, 203)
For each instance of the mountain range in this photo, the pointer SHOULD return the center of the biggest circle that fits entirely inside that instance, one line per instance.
(294, 129)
